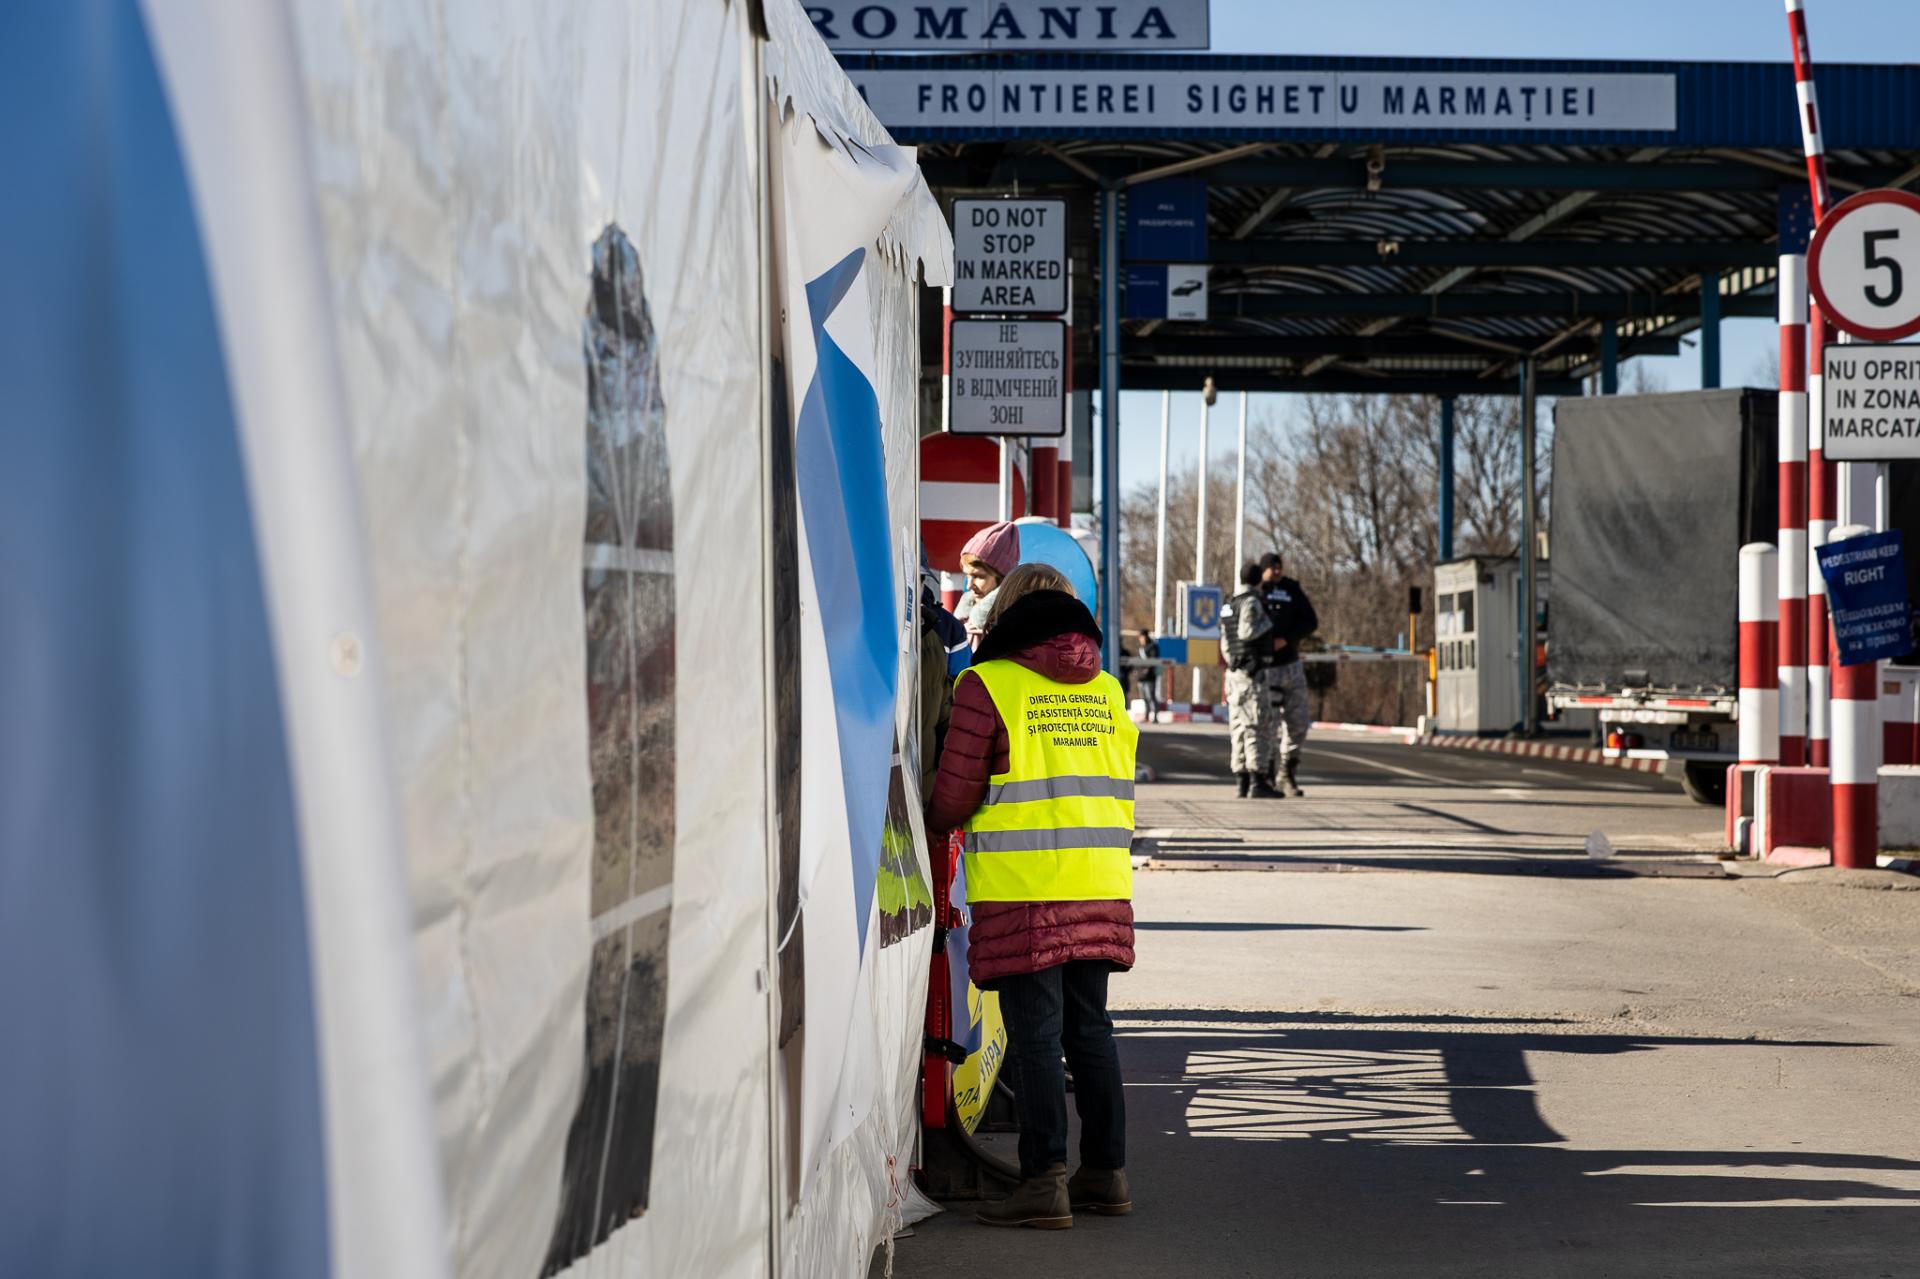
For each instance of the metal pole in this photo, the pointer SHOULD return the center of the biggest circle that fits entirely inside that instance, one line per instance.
(1820, 473)
(1821, 482)
(1110, 423)
(1609, 357)
(1792, 569)
(1160, 537)
(1528, 520)
(1446, 478)
(1709, 330)
(1240, 496)
(1006, 479)
(1200, 515)
(1857, 747)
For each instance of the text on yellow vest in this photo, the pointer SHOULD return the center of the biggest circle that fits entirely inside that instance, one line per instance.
(1058, 824)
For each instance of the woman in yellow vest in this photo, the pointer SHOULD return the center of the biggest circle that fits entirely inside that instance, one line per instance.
(1038, 768)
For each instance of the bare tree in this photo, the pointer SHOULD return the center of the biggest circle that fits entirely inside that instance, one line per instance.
(1349, 495)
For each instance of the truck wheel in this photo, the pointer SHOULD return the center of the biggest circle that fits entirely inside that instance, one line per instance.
(1704, 782)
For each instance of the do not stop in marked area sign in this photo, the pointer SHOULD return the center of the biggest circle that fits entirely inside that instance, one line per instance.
(1010, 257)
(1863, 265)
(1008, 377)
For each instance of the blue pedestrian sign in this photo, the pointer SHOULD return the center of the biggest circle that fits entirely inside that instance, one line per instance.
(1866, 580)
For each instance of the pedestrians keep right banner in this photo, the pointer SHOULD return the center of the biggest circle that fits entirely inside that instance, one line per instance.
(1867, 595)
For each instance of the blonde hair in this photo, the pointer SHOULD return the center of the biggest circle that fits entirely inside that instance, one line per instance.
(1024, 581)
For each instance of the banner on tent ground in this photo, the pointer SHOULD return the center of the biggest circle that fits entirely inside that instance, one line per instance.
(834, 202)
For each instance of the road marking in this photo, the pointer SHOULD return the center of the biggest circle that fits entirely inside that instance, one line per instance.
(1391, 768)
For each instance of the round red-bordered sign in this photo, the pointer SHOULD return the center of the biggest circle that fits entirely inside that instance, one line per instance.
(1863, 265)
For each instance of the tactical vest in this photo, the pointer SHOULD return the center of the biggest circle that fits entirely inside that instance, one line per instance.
(1058, 824)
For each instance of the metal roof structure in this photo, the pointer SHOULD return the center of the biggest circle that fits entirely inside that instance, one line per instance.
(1410, 252)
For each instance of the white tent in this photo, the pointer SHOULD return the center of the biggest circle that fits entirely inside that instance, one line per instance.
(573, 363)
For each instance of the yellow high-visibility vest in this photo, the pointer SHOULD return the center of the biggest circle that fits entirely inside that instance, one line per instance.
(1057, 826)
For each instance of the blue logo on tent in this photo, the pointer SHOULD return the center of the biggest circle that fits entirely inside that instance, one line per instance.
(840, 468)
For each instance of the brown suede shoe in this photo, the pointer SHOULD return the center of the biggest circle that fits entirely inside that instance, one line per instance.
(1100, 1190)
(1039, 1203)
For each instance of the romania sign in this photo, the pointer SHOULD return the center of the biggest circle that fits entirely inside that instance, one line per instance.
(934, 26)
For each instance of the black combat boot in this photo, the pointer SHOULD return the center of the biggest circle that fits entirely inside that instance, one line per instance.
(1263, 789)
(1293, 787)
(1246, 784)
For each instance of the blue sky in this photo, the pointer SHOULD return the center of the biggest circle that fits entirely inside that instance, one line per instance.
(1730, 30)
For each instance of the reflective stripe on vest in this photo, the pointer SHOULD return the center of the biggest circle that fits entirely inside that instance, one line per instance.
(1058, 824)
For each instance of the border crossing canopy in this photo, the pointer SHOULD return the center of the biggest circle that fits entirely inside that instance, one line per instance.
(1422, 225)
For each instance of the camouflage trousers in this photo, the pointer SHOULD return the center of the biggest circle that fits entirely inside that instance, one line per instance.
(1249, 712)
(1289, 713)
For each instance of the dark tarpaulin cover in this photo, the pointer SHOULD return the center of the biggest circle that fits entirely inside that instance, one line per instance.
(1653, 496)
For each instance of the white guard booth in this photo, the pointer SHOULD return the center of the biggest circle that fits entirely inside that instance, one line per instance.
(491, 660)
(1477, 642)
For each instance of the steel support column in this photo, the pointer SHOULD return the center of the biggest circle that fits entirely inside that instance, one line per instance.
(1446, 477)
(1609, 357)
(1709, 330)
(1529, 518)
(1109, 453)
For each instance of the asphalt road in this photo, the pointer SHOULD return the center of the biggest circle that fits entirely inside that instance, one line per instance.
(1407, 1026)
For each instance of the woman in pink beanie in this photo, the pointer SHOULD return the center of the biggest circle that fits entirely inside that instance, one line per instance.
(986, 559)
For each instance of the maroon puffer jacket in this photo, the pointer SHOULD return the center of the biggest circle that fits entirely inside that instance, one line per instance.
(1008, 939)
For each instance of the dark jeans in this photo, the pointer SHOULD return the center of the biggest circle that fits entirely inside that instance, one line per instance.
(1064, 1009)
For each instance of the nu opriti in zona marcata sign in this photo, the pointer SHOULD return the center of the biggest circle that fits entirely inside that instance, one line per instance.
(1871, 399)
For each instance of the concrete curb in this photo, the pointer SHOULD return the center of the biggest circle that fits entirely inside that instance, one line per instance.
(1405, 734)
(1842, 877)
(1542, 750)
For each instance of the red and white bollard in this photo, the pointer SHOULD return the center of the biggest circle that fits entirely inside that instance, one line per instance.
(1794, 559)
(1855, 770)
(1759, 666)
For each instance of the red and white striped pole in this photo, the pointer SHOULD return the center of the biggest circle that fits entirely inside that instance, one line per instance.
(1821, 511)
(1821, 481)
(1759, 662)
(1793, 555)
(1044, 486)
(1855, 773)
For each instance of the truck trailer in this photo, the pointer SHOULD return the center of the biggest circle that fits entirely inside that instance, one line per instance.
(1653, 496)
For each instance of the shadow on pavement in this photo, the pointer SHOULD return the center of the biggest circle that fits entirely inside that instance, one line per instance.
(1262, 1150)
(1459, 859)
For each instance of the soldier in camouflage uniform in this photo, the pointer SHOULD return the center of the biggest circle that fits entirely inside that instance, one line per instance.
(1291, 715)
(1250, 707)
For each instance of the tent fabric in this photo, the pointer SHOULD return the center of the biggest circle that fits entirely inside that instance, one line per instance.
(804, 78)
(855, 1101)
(155, 980)
(483, 534)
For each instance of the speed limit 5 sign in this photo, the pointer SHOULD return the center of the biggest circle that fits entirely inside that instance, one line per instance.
(1864, 265)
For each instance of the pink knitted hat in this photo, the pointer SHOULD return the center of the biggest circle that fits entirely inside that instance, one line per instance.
(997, 546)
